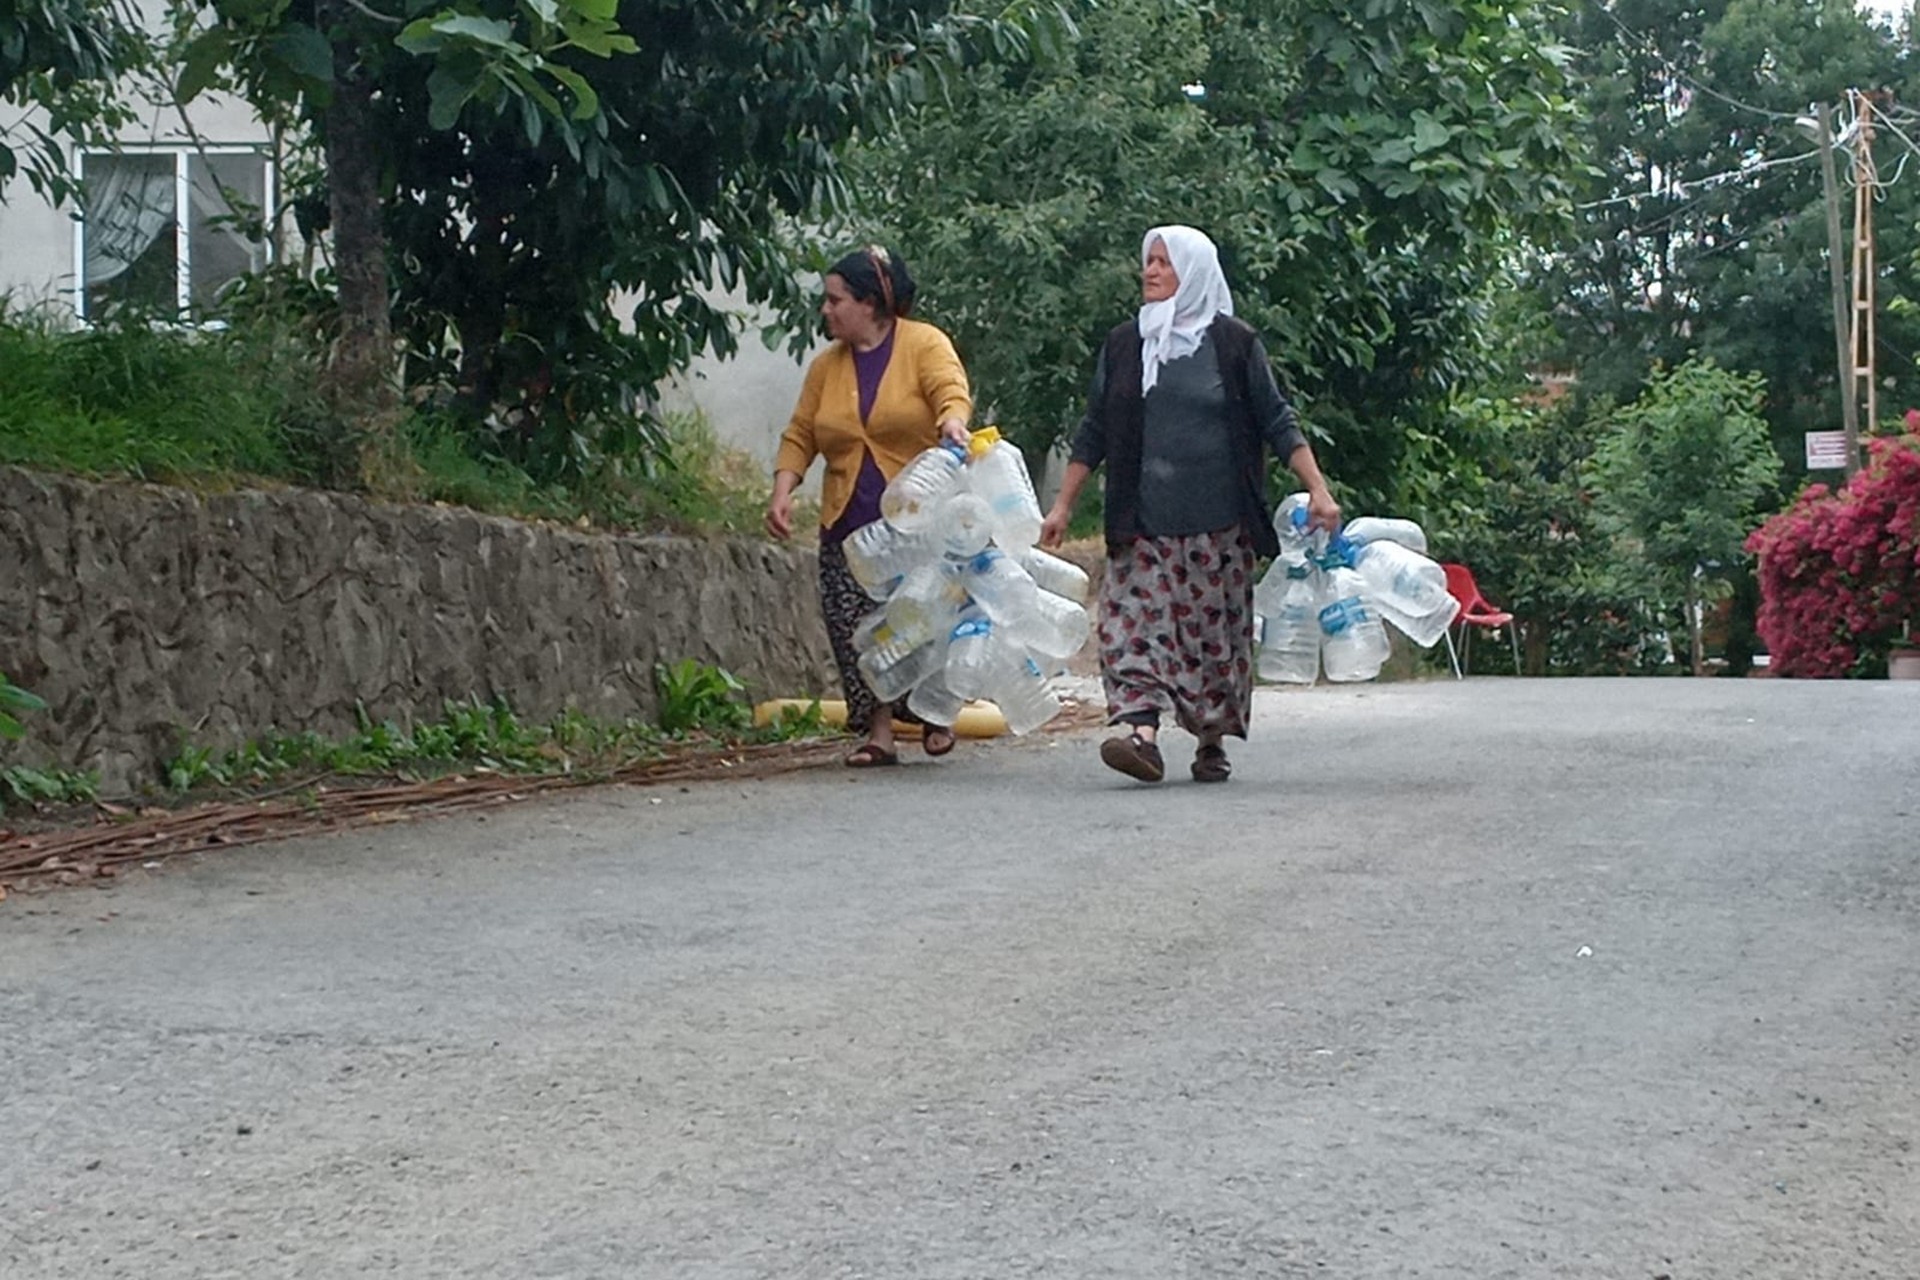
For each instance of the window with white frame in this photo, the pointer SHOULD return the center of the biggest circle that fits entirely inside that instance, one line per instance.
(169, 230)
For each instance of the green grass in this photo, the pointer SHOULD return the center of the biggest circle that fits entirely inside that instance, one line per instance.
(216, 409)
(698, 703)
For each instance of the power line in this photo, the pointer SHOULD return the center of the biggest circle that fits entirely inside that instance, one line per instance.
(1648, 46)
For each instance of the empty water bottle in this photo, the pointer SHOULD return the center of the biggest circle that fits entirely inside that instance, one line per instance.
(974, 651)
(1055, 628)
(925, 602)
(1002, 588)
(913, 496)
(1050, 573)
(999, 474)
(1024, 698)
(1353, 643)
(962, 526)
(1368, 529)
(1290, 521)
(878, 555)
(1409, 589)
(934, 701)
(1290, 643)
(890, 672)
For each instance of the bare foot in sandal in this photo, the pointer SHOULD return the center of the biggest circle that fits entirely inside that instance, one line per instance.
(870, 755)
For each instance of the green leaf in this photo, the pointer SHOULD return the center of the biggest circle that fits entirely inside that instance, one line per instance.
(200, 63)
(547, 11)
(491, 32)
(448, 92)
(305, 52)
(598, 10)
(586, 103)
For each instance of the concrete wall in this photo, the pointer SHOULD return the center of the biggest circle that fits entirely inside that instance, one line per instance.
(143, 613)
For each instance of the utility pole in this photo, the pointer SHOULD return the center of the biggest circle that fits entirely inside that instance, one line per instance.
(1837, 278)
(1865, 183)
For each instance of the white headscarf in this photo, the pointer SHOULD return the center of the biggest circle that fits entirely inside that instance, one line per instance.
(1172, 328)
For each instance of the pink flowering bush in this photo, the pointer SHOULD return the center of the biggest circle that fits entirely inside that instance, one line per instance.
(1840, 570)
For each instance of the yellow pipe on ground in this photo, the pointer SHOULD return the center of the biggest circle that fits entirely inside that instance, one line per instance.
(976, 720)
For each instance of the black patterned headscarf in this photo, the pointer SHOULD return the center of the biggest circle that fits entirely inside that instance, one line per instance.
(875, 275)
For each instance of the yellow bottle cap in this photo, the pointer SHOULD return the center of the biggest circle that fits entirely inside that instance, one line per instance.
(983, 439)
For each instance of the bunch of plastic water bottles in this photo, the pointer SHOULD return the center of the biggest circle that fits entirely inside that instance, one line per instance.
(971, 608)
(1326, 599)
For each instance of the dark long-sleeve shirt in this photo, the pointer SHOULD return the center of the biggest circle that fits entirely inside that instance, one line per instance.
(1189, 478)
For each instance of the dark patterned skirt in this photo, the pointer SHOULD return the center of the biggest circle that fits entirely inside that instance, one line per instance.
(1176, 631)
(843, 603)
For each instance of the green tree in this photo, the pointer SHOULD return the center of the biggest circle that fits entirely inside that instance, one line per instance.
(537, 163)
(1682, 476)
(1703, 230)
(65, 59)
(1364, 168)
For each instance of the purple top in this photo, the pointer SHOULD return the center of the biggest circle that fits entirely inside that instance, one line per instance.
(863, 508)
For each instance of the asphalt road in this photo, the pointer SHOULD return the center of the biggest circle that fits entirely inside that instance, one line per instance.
(1495, 979)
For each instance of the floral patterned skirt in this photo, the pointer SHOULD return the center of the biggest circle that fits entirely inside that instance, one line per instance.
(1176, 631)
(843, 603)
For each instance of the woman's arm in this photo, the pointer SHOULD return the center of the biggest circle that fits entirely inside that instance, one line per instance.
(943, 384)
(1054, 528)
(797, 452)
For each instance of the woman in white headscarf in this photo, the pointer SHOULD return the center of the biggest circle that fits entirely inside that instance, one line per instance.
(1182, 412)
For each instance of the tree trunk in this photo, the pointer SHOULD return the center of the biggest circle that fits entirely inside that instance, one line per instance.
(361, 372)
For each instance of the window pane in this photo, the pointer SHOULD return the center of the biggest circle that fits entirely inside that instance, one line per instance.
(228, 198)
(128, 233)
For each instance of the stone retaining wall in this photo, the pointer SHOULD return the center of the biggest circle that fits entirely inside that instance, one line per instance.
(142, 614)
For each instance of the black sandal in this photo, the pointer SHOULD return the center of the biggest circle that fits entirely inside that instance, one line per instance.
(1210, 763)
(1134, 756)
(869, 756)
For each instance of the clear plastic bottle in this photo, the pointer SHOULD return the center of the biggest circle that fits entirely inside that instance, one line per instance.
(1024, 698)
(1002, 588)
(1290, 644)
(914, 496)
(976, 651)
(1370, 529)
(1051, 573)
(890, 670)
(1290, 524)
(879, 555)
(934, 701)
(963, 526)
(1054, 628)
(1353, 643)
(998, 473)
(1409, 589)
(925, 602)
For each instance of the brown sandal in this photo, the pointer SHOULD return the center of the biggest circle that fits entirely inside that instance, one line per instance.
(1134, 756)
(1210, 763)
(869, 756)
(937, 740)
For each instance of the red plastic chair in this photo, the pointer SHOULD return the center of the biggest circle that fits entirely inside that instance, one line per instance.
(1476, 611)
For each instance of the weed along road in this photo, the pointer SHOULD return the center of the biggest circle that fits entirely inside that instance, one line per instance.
(1483, 979)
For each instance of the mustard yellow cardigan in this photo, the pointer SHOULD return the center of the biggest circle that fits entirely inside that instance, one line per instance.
(923, 384)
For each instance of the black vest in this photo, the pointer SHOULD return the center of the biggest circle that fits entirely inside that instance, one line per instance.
(1122, 412)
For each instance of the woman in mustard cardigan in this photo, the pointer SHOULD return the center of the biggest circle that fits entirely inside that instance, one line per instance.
(885, 391)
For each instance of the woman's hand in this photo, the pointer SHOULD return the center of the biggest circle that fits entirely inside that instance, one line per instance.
(780, 515)
(1053, 530)
(1322, 511)
(954, 431)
